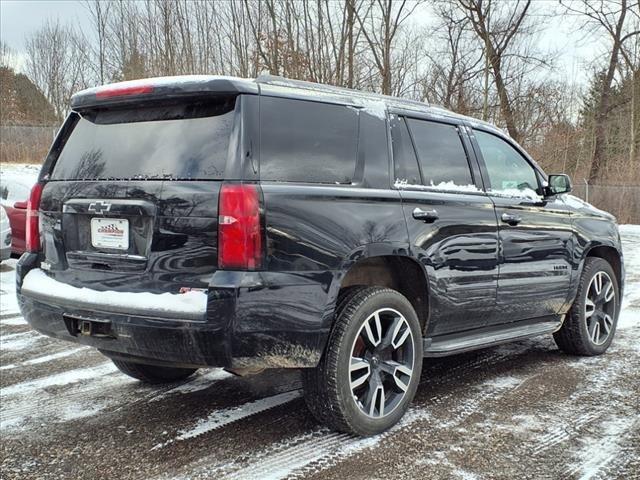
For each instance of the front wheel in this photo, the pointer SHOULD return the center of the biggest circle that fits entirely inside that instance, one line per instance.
(591, 323)
(371, 368)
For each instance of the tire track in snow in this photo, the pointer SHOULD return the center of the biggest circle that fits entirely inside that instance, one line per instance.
(59, 405)
(19, 341)
(321, 449)
(87, 391)
(223, 417)
(597, 455)
(44, 358)
(561, 433)
(226, 416)
(299, 453)
(594, 385)
(303, 462)
(200, 381)
(196, 383)
(314, 451)
(12, 320)
(64, 378)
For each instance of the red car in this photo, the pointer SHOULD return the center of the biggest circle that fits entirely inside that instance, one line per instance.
(14, 192)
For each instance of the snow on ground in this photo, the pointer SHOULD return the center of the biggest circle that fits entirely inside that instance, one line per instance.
(8, 302)
(522, 410)
(25, 170)
(630, 313)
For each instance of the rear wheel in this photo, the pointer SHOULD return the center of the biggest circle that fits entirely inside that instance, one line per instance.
(153, 373)
(591, 323)
(370, 371)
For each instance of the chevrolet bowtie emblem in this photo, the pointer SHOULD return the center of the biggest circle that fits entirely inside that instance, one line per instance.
(99, 207)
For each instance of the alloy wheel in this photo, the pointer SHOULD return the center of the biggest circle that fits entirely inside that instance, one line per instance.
(600, 308)
(381, 363)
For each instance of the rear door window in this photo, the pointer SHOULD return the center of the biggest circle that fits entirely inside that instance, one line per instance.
(405, 163)
(189, 141)
(442, 157)
(307, 142)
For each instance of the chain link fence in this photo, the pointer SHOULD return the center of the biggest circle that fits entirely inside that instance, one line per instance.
(623, 201)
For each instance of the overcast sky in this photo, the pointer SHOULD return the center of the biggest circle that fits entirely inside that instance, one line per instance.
(576, 53)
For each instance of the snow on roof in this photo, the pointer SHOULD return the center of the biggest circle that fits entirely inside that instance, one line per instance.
(162, 82)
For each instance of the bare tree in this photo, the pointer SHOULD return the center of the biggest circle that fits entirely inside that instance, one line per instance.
(455, 62)
(7, 56)
(380, 22)
(481, 58)
(500, 26)
(613, 17)
(56, 64)
(99, 14)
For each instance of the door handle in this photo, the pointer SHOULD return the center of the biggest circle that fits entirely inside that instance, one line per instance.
(511, 219)
(427, 216)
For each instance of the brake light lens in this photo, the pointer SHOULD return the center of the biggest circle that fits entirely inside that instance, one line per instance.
(239, 227)
(123, 91)
(32, 227)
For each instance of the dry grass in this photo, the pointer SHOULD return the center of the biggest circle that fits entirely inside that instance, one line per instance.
(25, 144)
(20, 153)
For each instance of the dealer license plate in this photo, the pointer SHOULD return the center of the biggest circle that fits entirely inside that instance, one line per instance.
(110, 233)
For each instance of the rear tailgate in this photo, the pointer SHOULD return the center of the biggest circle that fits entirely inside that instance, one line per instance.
(131, 202)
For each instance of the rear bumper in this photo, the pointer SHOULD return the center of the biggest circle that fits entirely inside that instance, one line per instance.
(180, 343)
(247, 321)
(190, 306)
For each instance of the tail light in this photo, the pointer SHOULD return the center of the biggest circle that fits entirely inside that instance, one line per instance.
(239, 227)
(32, 228)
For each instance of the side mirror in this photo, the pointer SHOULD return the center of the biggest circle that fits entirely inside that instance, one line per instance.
(558, 184)
(20, 205)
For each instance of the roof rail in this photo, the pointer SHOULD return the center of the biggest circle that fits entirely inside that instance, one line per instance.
(397, 102)
(278, 80)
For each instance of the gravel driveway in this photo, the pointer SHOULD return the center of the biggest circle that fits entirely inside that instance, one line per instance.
(523, 410)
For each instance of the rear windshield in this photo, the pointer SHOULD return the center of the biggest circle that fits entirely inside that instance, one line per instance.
(175, 142)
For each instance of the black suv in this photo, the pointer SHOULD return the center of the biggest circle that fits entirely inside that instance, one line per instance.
(192, 222)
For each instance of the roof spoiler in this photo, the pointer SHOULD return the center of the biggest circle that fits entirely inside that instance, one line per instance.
(162, 88)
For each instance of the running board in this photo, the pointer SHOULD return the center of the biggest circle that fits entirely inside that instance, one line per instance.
(488, 337)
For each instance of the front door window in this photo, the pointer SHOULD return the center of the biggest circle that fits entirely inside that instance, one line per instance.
(510, 174)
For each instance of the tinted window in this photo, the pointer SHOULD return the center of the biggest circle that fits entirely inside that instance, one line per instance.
(182, 142)
(508, 170)
(307, 141)
(441, 153)
(405, 163)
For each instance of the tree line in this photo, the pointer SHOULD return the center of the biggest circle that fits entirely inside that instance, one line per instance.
(476, 57)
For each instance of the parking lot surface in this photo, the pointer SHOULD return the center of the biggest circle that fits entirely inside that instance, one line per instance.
(523, 410)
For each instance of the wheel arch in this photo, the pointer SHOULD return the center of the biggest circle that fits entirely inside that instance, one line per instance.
(611, 255)
(398, 272)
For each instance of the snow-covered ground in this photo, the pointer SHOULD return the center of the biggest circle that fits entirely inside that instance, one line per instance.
(24, 174)
(26, 169)
(517, 410)
(522, 410)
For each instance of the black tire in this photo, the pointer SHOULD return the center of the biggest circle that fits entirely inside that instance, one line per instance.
(574, 336)
(328, 391)
(152, 373)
